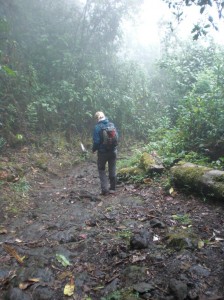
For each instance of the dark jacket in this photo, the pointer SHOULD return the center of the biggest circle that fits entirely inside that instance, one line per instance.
(97, 138)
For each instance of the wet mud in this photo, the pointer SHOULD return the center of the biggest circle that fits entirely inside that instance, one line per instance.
(139, 243)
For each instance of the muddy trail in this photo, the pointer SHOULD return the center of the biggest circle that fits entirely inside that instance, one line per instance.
(139, 243)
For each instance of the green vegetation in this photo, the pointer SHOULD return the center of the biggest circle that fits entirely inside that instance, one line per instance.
(122, 295)
(125, 234)
(59, 66)
(189, 175)
(204, 6)
(22, 186)
(183, 219)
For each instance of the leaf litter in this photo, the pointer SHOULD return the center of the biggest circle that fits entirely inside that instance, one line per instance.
(78, 243)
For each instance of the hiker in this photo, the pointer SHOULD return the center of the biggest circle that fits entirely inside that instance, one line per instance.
(105, 138)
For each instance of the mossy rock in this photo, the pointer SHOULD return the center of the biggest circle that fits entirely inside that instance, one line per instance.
(150, 164)
(134, 273)
(182, 239)
(128, 172)
(123, 294)
(188, 174)
(219, 178)
(9, 171)
(147, 160)
(213, 181)
(201, 179)
(39, 164)
(40, 161)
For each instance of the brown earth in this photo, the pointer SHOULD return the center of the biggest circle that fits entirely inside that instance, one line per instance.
(140, 243)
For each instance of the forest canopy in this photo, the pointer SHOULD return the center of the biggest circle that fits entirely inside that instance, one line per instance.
(60, 61)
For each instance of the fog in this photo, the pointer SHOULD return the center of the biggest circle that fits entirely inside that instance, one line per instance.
(62, 61)
(155, 20)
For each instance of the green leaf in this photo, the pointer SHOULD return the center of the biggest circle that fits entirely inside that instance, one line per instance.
(9, 71)
(202, 9)
(200, 244)
(63, 260)
(4, 27)
(210, 18)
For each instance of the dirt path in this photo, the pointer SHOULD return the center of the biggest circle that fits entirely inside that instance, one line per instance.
(137, 244)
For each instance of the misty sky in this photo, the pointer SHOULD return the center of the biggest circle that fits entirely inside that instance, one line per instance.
(153, 12)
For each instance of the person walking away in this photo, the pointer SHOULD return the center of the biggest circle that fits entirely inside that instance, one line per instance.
(105, 140)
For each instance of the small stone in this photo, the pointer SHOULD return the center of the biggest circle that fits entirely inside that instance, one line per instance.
(179, 289)
(200, 271)
(157, 223)
(143, 287)
(140, 240)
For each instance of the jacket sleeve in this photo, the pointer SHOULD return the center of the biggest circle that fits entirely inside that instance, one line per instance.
(96, 138)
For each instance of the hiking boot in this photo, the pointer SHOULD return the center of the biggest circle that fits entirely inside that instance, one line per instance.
(104, 193)
(111, 191)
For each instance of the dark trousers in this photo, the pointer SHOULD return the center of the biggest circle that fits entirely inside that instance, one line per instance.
(103, 159)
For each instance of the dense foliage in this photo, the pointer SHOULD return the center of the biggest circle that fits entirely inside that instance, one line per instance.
(191, 89)
(61, 62)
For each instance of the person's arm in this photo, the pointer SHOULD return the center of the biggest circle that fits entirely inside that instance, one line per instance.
(96, 139)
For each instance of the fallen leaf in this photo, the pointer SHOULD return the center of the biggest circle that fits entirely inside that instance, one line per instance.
(142, 219)
(147, 180)
(63, 260)
(13, 253)
(69, 288)
(136, 258)
(83, 236)
(34, 170)
(156, 238)
(122, 227)
(200, 244)
(34, 279)
(3, 230)
(212, 237)
(18, 241)
(88, 228)
(65, 274)
(169, 198)
(218, 239)
(24, 149)
(184, 227)
(98, 288)
(25, 284)
(171, 190)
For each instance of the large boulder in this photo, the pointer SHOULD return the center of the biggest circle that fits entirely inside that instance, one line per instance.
(151, 163)
(130, 172)
(147, 165)
(206, 181)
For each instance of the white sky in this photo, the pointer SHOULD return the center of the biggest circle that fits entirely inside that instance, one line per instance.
(153, 11)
